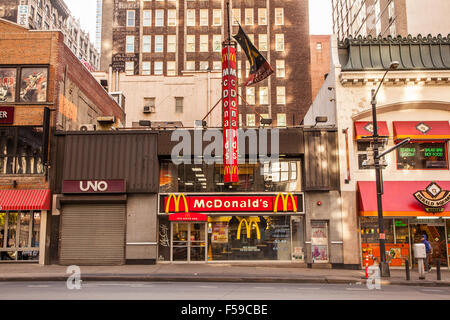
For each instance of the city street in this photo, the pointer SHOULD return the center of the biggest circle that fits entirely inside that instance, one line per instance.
(214, 291)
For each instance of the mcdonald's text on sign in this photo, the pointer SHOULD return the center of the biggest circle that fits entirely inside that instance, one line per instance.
(229, 114)
(276, 203)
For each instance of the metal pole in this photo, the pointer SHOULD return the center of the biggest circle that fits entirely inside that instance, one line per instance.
(408, 275)
(384, 267)
(438, 268)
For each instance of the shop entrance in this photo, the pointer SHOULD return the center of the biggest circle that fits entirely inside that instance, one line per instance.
(436, 237)
(188, 241)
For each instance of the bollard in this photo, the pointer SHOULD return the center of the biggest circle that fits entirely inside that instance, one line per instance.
(408, 275)
(367, 265)
(438, 269)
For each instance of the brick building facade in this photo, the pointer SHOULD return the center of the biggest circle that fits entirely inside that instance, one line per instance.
(320, 61)
(43, 88)
(170, 38)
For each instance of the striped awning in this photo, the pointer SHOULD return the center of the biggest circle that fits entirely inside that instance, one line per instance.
(12, 200)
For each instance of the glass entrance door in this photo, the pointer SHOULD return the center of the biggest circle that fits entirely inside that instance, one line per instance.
(188, 242)
(436, 237)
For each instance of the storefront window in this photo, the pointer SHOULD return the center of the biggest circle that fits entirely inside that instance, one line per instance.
(21, 150)
(282, 176)
(8, 84)
(33, 85)
(249, 238)
(401, 231)
(422, 155)
(164, 239)
(370, 231)
(19, 235)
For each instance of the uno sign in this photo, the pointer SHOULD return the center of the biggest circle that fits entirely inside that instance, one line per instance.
(93, 186)
(174, 203)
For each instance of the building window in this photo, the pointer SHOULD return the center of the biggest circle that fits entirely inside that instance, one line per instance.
(217, 43)
(236, 17)
(147, 44)
(262, 16)
(217, 17)
(171, 43)
(159, 43)
(281, 119)
(251, 120)
(190, 65)
(204, 65)
(204, 19)
(131, 18)
(422, 155)
(171, 18)
(21, 150)
(249, 16)
(263, 95)
(146, 68)
(179, 104)
(281, 70)
(279, 42)
(129, 68)
(281, 95)
(279, 16)
(129, 44)
(217, 65)
(319, 46)
(190, 43)
(147, 20)
(204, 43)
(158, 68)
(190, 17)
(159, 18)
(262, 42)
(149, 104)
(8, 84)
(171, 68)
(250, 95)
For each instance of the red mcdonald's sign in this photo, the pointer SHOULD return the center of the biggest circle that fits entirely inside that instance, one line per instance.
(230, 114)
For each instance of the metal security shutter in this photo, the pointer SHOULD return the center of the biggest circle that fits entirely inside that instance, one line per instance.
(92, 234)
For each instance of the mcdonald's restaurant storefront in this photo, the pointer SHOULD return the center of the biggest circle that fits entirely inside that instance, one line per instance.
(208, 227)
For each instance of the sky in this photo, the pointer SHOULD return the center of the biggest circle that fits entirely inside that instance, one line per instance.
(319, 19)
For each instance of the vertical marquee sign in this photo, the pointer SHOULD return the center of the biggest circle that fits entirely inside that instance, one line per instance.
(229, 113)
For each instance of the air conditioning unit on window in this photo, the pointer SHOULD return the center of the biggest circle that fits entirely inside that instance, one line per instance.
(149, 109)
(88, 127)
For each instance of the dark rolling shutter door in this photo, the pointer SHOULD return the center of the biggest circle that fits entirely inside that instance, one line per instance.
(93, 234)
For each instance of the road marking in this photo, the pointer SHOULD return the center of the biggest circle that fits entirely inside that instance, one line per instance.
(431, 290)
(38, 286)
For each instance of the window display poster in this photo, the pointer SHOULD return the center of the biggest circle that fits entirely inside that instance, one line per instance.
(320, 253)
(7, 84)
(219, 232)
(33, 85)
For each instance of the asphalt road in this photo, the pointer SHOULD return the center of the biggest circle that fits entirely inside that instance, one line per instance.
(214, 291)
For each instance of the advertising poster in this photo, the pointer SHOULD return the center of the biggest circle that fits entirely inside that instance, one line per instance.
(7, 84)
(220, 232)
(33, 85)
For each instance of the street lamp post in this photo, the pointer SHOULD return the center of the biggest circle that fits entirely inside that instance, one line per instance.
(384, 267)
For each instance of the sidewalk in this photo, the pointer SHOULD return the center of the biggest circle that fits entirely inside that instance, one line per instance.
(213, 273)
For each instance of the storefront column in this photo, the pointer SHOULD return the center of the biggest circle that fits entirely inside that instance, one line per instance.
(42, 237)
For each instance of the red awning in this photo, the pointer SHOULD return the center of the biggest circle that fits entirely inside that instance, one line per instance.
(25, 200)
(398, 199)
(365, 128)
(421, 130)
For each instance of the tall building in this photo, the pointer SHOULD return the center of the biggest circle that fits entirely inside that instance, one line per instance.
(98, 26)
(52, 15)
(390, 17)
(176, 37)
(320, 61)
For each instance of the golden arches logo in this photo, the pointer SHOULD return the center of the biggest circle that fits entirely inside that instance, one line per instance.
(285, 202)
(249, 229)
(176, 201)
(231, 57)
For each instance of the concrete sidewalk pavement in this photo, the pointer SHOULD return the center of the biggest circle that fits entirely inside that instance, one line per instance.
(213, 273)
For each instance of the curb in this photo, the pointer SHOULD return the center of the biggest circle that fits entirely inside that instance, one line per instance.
(212, 278)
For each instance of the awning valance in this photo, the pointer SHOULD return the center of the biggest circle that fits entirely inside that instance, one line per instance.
(421, 130)
(12, 200)
(399, 198)
(365, 128)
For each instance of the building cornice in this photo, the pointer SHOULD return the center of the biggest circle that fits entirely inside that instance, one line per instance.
(395, 78)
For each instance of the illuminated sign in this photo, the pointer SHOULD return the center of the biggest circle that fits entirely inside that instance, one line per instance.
(230, 114)
(182, 216)
(252, 221)
(219, 203)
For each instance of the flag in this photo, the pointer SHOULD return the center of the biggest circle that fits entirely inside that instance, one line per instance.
(260, 69)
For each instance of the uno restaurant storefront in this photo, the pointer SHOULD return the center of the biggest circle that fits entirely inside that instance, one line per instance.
(410, 210)
(208, 227)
